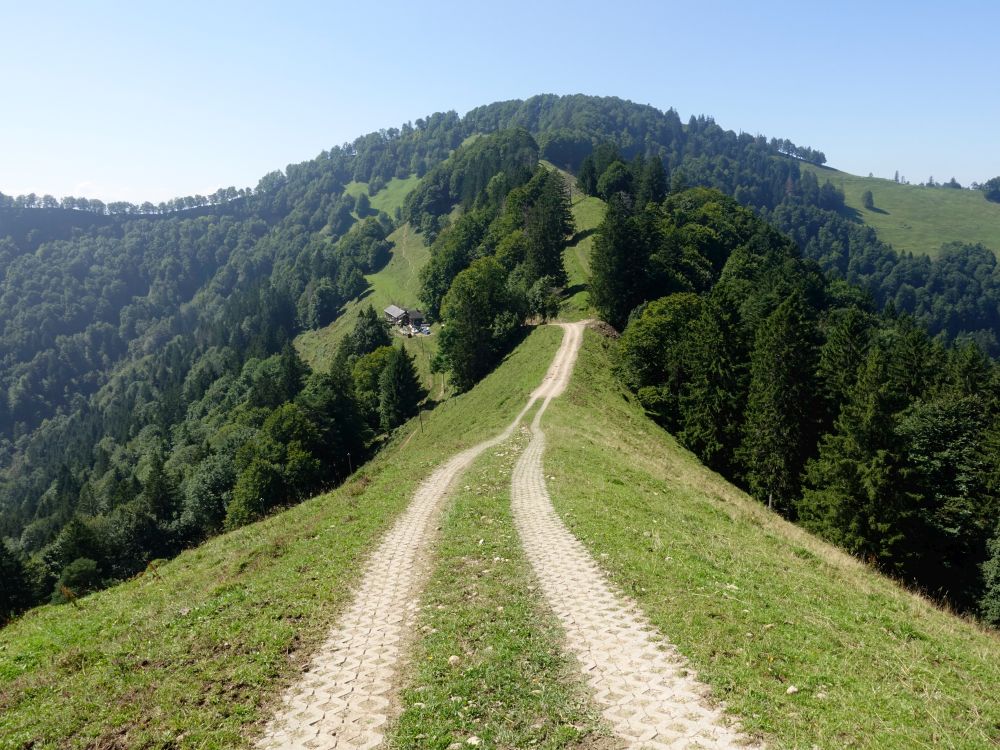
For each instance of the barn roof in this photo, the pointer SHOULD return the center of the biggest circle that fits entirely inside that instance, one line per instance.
(394, 312)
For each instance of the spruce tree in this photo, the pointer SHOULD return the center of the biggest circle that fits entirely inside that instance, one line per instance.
(711, 403)
(400, 392)
(778, 432)
(15, 590)
(857, 494)
(618, 264)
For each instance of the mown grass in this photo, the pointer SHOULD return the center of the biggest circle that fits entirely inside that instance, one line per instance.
(397, 283)
(195, 654)
(390, 197)
(756, 604)
(511, 686)
(918, 219)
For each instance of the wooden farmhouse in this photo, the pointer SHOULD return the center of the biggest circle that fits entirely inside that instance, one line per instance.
(403, 316)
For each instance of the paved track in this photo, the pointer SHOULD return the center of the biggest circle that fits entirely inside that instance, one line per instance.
(644, 689)
(346, 696)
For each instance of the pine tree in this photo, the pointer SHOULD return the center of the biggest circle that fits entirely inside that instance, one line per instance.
(847, 331)
(989, 602)
(618, 264)
(15, 589)
(711, 402)
(400, 391)
(587, 178)
(160, 492)
(779, 429)
(547, 226)
(857, 491)
(652, 183)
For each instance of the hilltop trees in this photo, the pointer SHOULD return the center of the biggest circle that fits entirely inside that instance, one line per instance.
(991, 189)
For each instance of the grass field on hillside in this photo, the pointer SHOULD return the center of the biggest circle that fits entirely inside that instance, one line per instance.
(919, 219)
(756, 604)
(195, 654)
(397, 283)
(390, 197)
(588, 212)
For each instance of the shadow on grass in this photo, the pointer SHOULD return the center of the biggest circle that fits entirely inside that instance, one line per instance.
(851, 214)
(875, 210)
(581, 236)
(575, 289)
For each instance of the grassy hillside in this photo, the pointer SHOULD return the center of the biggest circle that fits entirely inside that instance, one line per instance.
(195, 653)
(587, 215)
(397, 283)
(755, 603)
(919, 219)
(390, 197)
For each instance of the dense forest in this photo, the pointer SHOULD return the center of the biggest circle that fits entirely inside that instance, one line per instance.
(853, 422)
(149, 392)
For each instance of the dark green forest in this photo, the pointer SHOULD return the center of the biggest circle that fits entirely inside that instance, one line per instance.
(854, 422)
(150, 396)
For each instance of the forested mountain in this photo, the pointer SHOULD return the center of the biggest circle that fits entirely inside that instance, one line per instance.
(854, 423)
(149, 394)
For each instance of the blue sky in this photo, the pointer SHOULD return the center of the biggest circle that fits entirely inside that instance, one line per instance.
(103, 100)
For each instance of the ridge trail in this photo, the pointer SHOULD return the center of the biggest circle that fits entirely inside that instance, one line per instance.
(645, 690)
(344, 699)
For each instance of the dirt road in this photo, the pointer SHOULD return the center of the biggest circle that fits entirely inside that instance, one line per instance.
(642, 686)
(345, 698)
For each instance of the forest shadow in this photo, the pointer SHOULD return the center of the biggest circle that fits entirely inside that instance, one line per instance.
(575, 289)
(581, 236)
(851, 214)
(876, 210)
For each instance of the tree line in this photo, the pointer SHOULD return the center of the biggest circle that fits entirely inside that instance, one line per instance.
(853, 422)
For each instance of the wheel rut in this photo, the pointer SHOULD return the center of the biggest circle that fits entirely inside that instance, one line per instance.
(643, 686)
(345, 699)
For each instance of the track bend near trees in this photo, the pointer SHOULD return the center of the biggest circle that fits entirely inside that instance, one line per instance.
(642, 686)
(345, 697)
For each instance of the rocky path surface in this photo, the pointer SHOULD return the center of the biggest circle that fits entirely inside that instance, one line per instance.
(345, 698)
(644, 689)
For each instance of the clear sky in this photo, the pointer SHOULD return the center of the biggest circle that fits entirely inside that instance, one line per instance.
(119, 101)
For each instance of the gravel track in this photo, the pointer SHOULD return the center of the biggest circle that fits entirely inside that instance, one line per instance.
(346, 696)
(643, 686)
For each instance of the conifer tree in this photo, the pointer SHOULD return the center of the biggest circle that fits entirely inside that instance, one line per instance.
(856, 491)
(843, 352)
(779, 427)
(15, 591)
(618, 264)
(400, 391)
(711, 403)
(989, 602)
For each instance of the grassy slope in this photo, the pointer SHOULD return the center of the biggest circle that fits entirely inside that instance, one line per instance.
(397, 283)
(587, 215)
(919, 219)
(194, 654)
(390, 197)
(755, 603)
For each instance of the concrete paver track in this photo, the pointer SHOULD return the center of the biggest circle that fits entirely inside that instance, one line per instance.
(645, 691)
(345, 698)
